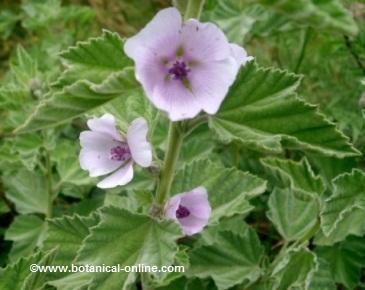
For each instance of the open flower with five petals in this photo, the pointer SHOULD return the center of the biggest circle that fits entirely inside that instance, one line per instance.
(184, 67)
(104, 150)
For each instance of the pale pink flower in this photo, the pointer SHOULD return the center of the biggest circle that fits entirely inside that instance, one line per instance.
(184, 67)
(191, 209)
(105, 150)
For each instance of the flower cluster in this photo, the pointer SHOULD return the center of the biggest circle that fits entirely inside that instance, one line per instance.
(184, 68)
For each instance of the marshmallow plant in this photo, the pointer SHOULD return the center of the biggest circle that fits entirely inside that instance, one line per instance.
(180, 150)
(184, 67)
(190, 74)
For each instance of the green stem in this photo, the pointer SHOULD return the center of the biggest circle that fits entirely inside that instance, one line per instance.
(175, 139)
(193, 9)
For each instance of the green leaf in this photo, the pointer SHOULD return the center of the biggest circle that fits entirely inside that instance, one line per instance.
(232, 18)
(12, 277)
(133, 106)
(126, 238)
(27, 233)
(295, 269)
(199, 143)
(322, 278)
(297, 175)
(94, 60)
(329, 14)
(66, 234)
(232, 259)
(228, 188)
(345, 260)
(331, 167)
(262, 111)
(77, 99)
(27, 147)
(65, 155)
(181, 259)
(18, 277)
(27, 190)
(343, 213)
(293, 216)
(127, 202)
(24, 68)
(38, 280)
(77, 281)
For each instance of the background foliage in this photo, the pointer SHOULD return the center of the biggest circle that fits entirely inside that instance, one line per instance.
(285, 170)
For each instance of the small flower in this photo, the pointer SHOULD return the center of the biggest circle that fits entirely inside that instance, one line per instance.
(184, 67)
(191, 209)
(105, 150)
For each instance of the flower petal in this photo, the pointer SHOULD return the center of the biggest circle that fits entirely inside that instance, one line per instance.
(197, 202)
(158, 36)
(204, 42)
(192, 224)
(149, 72)
(97, 162)
(210, 83)
(106, 125)
(239, 54)
(96, 141)
(120, 177)
(137, 141)
(174, 98)
(172, 206)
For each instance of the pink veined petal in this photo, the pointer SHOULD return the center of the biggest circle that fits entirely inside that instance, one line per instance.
(137, 141)
(240, 54)
(204, 41)
(172, 206)
(97, 162)
(197, 202)
(106, 125)
(172, 97)
(120, 177)
(210, 83)
(96, 141)
(159, 36)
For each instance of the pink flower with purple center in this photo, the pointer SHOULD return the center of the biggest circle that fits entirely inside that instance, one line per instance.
(106, 151)
(191, 209)
(184, 67)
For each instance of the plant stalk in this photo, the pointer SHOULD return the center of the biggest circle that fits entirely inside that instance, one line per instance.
(175, 139)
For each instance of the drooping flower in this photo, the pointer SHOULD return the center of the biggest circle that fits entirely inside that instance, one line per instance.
(184, 67)
(105, 150)
(191, 209)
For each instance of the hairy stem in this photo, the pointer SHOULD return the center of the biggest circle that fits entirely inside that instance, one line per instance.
(194, 9)
(175, 139)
